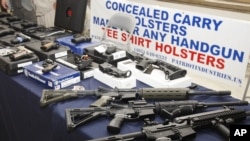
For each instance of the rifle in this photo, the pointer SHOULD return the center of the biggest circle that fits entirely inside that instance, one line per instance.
(148, 65)
(107, 95)
(138, 110)
(185, 127)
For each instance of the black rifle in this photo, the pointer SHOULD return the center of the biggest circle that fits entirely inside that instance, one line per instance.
(148, 65)
(106, 95)
(184, 128)
(112, 70)
(138, 110)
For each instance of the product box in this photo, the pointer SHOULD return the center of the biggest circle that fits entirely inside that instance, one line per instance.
(156, 78)
(58, 78)
(14, 67)
(114, 82)
(53, 54)
(76, 48)
(69, 61)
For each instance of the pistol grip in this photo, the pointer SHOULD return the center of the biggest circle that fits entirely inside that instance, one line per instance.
(115, 124)
(104, 100)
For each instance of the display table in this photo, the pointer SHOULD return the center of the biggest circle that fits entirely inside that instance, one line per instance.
(22, 119)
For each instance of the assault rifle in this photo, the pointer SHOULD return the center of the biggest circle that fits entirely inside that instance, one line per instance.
(107, 95)
(138, 110)
(148, 65)
(185, 127)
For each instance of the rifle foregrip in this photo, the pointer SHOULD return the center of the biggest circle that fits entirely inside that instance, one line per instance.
(115, 125)
(104, 100)
(164, 93)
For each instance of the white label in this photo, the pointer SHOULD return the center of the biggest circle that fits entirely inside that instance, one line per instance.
(100, 48)
(61, 54)
(24, 64)
(88, 74)
(20, 71)
(70, 82)
(119, 54)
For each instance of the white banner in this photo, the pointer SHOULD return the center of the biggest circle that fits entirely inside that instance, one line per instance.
(212, 46)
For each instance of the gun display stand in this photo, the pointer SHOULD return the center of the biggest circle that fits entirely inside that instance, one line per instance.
(15, 67)
(114, 82)
(52, 54)
(157, 77)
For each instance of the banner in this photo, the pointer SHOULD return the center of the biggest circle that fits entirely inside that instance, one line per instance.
(211, 46)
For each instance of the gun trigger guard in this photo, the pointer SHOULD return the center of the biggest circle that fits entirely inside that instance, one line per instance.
(167, 114)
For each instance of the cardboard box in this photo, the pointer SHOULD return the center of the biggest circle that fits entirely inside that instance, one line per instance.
(76, 48)
(157, 77)
(58, 78)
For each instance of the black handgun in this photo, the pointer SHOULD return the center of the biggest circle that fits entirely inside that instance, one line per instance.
(5, 32)
(112, 70)
(20, 38)
(83, 62)
(77, 38)
(48, 65)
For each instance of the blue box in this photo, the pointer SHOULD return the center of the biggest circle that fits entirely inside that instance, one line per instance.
(76, 48)
(58, 78)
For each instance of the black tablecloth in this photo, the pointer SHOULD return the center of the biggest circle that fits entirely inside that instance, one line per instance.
(22, 119)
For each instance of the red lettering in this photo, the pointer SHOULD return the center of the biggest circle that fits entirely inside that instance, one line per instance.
(112, 33)
(210, 61)
(184, 53)
(201, 58)
(220, 64)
